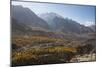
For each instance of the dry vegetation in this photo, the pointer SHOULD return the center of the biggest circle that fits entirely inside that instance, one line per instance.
(27, 50)
(22, 41)
(35, 55)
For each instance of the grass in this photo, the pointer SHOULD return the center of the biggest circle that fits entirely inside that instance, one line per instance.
(58, 52)
(37, 55)
(22, 41)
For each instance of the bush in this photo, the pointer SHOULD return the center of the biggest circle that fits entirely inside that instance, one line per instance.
(43, 55)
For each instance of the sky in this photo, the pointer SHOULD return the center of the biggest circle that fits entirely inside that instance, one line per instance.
(82, 14)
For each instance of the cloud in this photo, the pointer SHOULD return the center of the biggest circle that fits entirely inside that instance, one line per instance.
(88, 23)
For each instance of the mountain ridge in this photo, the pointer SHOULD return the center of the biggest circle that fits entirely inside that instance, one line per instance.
(68, 25)
(51, 22)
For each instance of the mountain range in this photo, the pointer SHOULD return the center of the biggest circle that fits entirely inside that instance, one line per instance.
(24, 20)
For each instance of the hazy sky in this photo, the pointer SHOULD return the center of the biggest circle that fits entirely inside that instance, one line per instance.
(82, 14)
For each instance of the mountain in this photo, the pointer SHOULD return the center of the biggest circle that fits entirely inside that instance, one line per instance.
(93, 27)
(27, 17)
(25, 21)
(19, 28)
(50, 18)
(59, 24)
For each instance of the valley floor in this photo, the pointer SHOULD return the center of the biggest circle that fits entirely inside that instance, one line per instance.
(37, 50)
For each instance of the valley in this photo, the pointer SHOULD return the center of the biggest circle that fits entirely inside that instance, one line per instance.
(49, 39)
